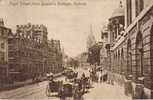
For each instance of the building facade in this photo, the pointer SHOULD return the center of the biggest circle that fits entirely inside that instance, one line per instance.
(105, 49)
(30, 53)
(4, 32)
(138, 23)
(56, 58)
(130, 30)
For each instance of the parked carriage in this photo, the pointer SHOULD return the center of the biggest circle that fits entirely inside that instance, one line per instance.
(53, 88)
(71, 75)
(66, 91)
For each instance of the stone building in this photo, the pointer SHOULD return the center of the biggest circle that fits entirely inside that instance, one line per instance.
(4, 32)
(27, 54)
(131, 46)
(31, 54)
(56, 58)
(105, 49)
(116, 29)
(139, 30)
(35, 31)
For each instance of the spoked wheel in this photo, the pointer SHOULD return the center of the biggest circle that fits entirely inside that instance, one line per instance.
(47, 90)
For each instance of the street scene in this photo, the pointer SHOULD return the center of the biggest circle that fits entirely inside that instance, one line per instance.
(76, 49)
(38, 90)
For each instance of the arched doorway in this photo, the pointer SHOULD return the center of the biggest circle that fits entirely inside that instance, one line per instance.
(129, 57)
(139, 54)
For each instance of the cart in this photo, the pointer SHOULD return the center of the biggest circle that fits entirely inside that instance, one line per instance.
(66, 91)
(53, 88)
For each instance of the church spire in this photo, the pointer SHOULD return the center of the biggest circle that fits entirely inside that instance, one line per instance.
(91, 38)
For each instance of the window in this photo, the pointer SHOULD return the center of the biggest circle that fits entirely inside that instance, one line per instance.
(129, 12)
(10, 41)
(129, 57)
(2, 57)
(12, 54)
(122, 60)
(139, 54)
(1, 31)
(119, 61)
(3, 45)
(139, 6)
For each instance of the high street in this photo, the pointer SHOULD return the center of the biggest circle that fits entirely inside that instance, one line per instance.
(38, 91)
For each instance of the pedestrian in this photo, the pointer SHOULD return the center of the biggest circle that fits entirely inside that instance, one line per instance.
(101, 76)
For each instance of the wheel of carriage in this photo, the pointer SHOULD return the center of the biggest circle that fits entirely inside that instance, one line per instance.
(47, 90)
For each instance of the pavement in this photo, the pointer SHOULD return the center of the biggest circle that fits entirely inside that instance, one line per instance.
(5, 87)
(106, 91)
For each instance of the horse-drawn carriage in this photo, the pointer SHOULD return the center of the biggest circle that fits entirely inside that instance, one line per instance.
(53, 88)
(66, 90)
(63, 90)
(71, 75)
(83, 84)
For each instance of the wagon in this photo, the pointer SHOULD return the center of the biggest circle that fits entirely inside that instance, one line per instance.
(70, 76)
(53, 88)
(66, 91)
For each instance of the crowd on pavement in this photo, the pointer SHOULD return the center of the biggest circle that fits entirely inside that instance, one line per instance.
(98, 75)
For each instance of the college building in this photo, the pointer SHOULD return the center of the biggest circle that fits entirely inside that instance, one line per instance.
(4, 32)
(28, 53)
(130, 30)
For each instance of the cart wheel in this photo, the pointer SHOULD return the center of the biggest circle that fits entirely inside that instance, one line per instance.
(47, 90)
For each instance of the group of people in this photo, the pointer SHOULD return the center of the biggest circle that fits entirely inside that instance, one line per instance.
(98, 75)
(83, 82)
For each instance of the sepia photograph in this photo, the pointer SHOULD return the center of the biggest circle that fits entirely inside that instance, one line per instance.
(76, 49)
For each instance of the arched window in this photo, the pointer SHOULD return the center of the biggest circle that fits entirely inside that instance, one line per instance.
(139, 6)
(129, 57)
(139, 54)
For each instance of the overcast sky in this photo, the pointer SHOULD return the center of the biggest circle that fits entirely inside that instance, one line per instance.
(70, 24)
